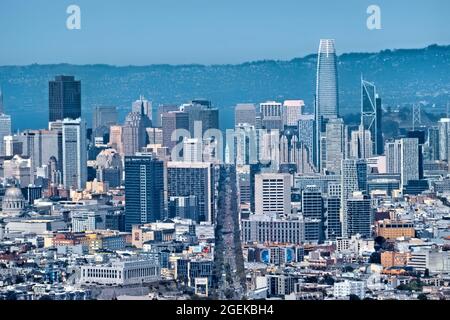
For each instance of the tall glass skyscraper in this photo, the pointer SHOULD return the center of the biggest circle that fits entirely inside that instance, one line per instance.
(144, 190)
(371, 117)
(327, 98)
(74, 153)
(64, 98)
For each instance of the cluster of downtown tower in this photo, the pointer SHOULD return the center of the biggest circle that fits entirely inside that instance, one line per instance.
(280, 177)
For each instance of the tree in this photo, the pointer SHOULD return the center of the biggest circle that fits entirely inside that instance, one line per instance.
(422, 296)
(354, 297)
(375, 257)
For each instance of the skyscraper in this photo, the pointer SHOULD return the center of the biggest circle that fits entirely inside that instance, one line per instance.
(335, 145)
(271, 115)
(5, 130)
(193, 179)
(444, 139)
(64, 98)
(170, 122)
(104, 116)
(313, 211)
(273, 193)
(163, 108)
(361, 145)
(359, 215)
(134, 136)
(307, 136)
(144, 190)
(201, 111)
(371, 117)
(144, 107)
(409, 160)
(74, 153)
(433, 143)
(353, 178)
(245, 113)
(327, 97)
(292, 110)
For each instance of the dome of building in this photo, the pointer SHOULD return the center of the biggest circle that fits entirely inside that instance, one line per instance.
(13, 202)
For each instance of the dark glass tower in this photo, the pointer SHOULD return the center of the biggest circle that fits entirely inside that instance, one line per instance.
(64, 98)
(144, 190)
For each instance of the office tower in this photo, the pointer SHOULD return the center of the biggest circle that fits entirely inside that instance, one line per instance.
(273, 193)
(333, 217)
(313, 212)
(409, 160)
(244, 147)
(193, 179)
(5, 130)
(433, 143)
(201, 112)
(144, 190)
(327, 97)
(192, 150)
(134, 136)
(144, 107)
(109, 167)
(228, 258)
(245, 113)
(104, 117)
(335, 144)
(115, 138)
(307, 134)
(393, 160)
(74, 153)
(361, 145)
(41, 145)
(420, 136)
(244, 185)
(371, 114)
(163, 108)
(444, 139)
(155, 135)
(269, 148)
(353, 178)
(2, 108)
(170, 122)
(292, 110)
(12, 145)
(359, 215)
(271, 115)
(64, 98)
(18, 168)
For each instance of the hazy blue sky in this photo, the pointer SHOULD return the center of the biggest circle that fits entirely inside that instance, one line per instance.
(210, 31)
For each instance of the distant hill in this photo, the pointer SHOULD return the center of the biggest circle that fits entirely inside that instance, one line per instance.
(403, 77)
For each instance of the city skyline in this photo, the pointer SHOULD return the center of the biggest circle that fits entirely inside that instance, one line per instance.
(141, 186)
